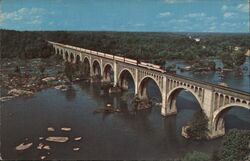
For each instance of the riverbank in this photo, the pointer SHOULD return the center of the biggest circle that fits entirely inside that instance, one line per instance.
(25, 77)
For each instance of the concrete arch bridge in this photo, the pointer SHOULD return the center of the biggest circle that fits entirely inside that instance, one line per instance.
(214, 99)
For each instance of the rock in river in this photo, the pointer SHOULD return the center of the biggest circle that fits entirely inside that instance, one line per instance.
(78, 138)
(51, 129)
(43, 157)
(66, 129)
(41, 138)
(62, 87)
(19, 92)
(76, 149)
(40, 146)
(48, 79)
(59, 139)
(6, 98)
(24, 146)
(46, 147)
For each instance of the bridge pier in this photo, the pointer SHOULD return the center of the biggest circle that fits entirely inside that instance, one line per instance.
(216, 129)
(136, 81)
(166, 111)
(106, 78)
(115, 74)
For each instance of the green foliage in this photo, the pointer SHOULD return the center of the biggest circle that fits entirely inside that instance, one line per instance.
(211, 65)
(232, 59)
(235, 145)
(144, 46)
(23, 45)
(205, 64)
(215, 156)
(198, 127)
(196, 156)
(239, 58)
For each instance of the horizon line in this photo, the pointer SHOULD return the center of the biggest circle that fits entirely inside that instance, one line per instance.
(125, 31)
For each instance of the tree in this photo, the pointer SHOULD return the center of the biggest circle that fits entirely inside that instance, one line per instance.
(238, 57)
(233, 59)
(198, 127)
(226, 60)
(235, 145)
(215, 155)
(196, 156)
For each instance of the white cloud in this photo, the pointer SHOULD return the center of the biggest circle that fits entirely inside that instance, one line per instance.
(25, 15)
(229, 14)
(139, 24)
(224, 7)
(192, 15)
(165, 14)
(227, 24)
(244, 7)
(51, 23)
(178, 1)
(1, 17)
(212, 18)
(178, 21)
(23, 12)
(35, 22)
(212, 27)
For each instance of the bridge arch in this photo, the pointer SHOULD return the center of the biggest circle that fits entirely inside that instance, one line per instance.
(96, 67)
(86, 66)
(218, 120)
(78, 65)
(61, 52)
(66, 56)
(173, 93)
(87, 59)
(142, 86)
(122, 75)
(96, 61)
(72, 57)
(78, 59)
(108, 72)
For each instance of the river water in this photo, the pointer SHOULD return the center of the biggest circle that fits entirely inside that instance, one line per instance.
(127, 135)
(230, 78)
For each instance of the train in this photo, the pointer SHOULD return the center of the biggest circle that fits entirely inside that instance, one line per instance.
(149, 66)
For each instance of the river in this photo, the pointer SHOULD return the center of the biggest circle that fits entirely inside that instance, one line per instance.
(127, 135)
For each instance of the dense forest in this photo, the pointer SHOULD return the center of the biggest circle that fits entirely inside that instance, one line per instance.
(144, 45)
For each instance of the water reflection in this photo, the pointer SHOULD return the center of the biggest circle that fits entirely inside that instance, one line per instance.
(70, 94)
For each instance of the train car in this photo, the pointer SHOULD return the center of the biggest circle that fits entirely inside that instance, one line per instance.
(131, 61)
(101, 54)
(119, 58)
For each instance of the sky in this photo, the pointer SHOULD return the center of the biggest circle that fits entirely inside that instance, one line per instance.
(126, 15)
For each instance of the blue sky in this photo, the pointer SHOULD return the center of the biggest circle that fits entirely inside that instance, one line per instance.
(126, 15)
